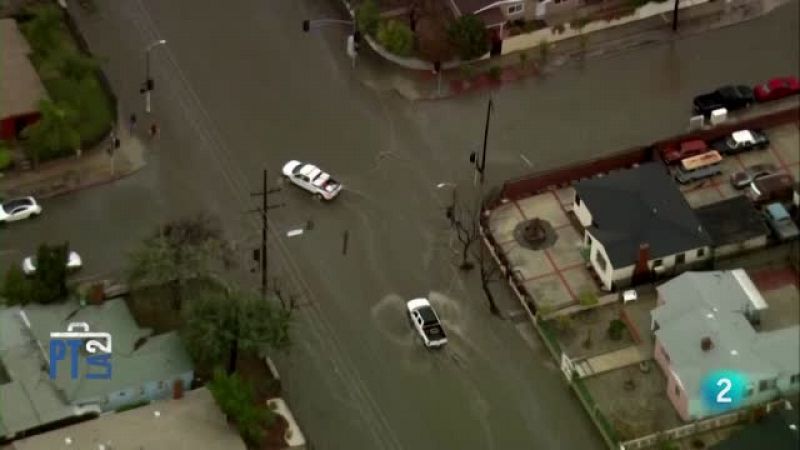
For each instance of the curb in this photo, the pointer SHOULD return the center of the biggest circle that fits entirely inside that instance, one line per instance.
(91, 184)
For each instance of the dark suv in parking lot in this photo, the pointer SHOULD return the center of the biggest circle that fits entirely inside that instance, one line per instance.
(728, 97)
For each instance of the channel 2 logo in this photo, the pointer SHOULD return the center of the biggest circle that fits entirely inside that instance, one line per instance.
(723, 390)
(97, 347)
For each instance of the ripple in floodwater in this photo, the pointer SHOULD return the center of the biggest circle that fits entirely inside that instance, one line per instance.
(390, 316)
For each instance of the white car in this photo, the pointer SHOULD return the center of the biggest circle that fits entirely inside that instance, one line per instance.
(18, 209)
(426, 322)
(74, 263)
(312, 179)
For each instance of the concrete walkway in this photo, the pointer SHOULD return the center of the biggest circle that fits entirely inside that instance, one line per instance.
(613, 360)
(93, 167)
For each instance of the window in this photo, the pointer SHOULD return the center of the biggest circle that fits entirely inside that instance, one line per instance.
(765, 385)
(515, 9)
(701, 252)
(598, 258)
(577, 199)
(794, 379)
(657, 263)
(161, 385)
(749, 391)
(680, 259)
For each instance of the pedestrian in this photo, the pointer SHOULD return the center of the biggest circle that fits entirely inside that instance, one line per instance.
(132, 122)
(153, 130)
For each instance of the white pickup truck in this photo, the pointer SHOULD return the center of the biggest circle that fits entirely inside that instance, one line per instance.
(426, 322)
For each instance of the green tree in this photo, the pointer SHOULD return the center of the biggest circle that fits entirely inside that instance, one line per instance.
(77, 66)
(49, 282)
(236, 399)
(54, 132)
(396, 37)
(470, 37)
(16, 288)
(367, 16)
(217, 318)
(183, 250)
(42, 30)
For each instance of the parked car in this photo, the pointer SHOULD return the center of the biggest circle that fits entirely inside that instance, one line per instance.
(19, 209)
(426, 322)
(73, 263)
(771, 188)
(674, 155)
(728, 97)
(699, 167)
(775, 88)
(312, 179)
(743, 178)
(742, 141)
(780, 222)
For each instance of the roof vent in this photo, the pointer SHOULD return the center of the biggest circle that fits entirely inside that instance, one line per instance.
(706, 344)
(67, 440)
(734, 352)
(655, 210)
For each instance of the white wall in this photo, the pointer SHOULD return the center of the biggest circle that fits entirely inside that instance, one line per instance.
(582, 213)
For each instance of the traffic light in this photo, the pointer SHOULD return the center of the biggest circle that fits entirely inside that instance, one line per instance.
(437, 67)
(472, 157)
(306, 25)
(150, 84)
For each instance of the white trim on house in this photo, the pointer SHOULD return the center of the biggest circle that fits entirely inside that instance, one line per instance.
(581, 211)
(498, 3)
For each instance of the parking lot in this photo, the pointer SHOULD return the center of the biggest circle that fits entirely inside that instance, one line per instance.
(782, 153)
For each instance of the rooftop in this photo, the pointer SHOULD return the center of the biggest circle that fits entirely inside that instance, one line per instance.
(137, 357)
(710, 305)
(732, 221)
(192, 422)
(20, 86)
(642, 205)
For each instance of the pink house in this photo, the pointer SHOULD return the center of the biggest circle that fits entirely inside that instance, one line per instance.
(705, 323)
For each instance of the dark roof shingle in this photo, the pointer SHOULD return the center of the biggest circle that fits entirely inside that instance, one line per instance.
(733, 220)
(642, 205)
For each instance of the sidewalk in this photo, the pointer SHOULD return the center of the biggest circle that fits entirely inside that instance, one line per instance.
(494, 72)
(94, 167)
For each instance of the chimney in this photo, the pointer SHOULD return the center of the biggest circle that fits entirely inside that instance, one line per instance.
(641, 273)
(706, 344)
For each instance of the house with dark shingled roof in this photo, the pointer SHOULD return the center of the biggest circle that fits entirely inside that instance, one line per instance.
(637, 224)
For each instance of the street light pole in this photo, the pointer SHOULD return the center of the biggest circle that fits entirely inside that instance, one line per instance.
(480, 167)
(675, 16)
(148, 81)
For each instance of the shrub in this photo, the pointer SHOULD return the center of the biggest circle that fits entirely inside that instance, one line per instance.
(470, 37)
(544, 50)
(587, 298)
(615, 329)
(5, 155)
(16, 288)
(494, 73)
(367, 16)
(396, 37)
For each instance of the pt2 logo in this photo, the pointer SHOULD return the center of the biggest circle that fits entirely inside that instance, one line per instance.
(723, 390)
(77, 337)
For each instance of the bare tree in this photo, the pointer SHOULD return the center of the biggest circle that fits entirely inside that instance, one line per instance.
(490, 273)
(465, 226)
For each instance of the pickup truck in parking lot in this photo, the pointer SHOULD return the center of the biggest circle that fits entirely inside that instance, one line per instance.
(741, 141)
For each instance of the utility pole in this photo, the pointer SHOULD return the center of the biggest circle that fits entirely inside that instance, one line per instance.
(261, 255)
(480, 168)
(675, 16)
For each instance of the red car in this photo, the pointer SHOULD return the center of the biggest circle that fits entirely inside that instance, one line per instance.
(673, 155)
(776, 88)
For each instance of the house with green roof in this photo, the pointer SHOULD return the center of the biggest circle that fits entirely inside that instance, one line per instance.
(145, 366)
(705, 323)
